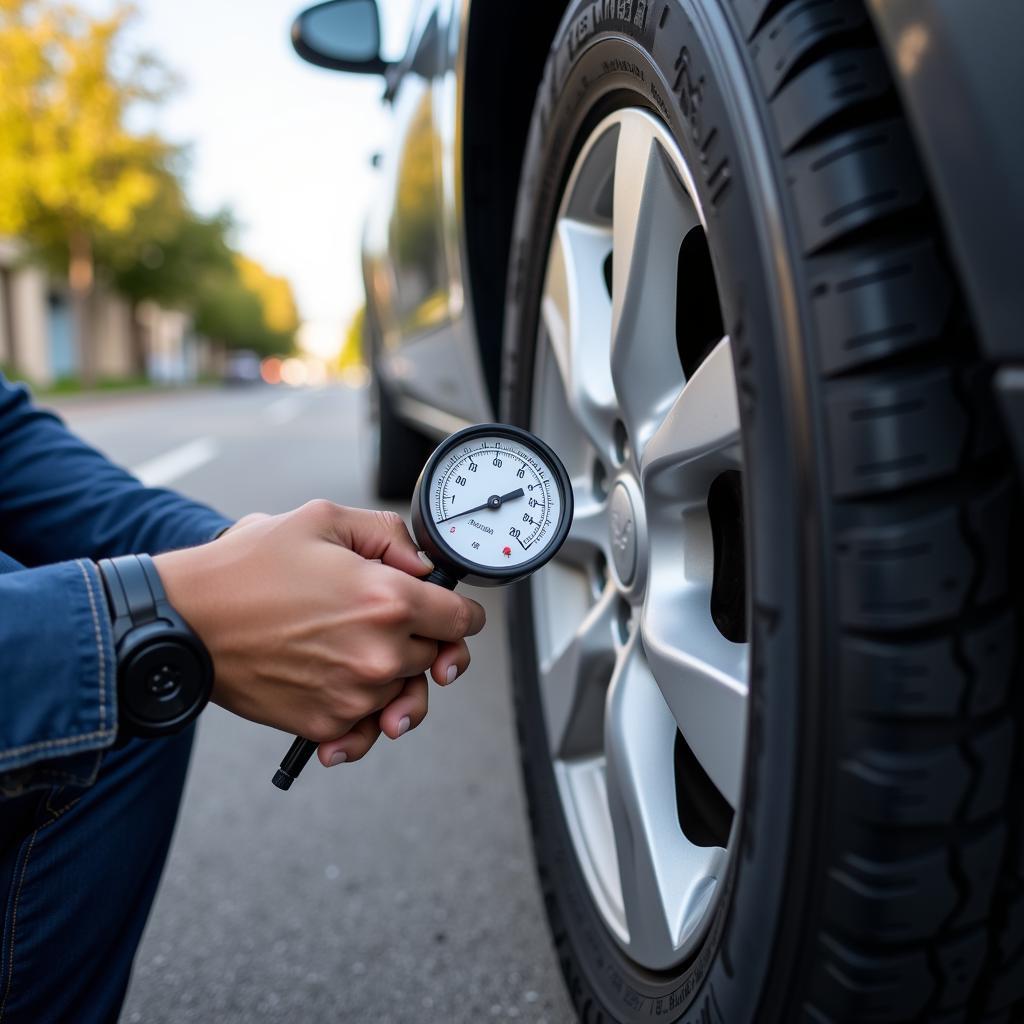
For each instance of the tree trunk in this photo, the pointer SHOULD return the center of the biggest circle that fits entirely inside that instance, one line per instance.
(80, 277)
(139, 332)
(10, 327)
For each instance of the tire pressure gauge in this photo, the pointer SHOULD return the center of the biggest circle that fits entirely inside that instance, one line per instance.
(492, 505)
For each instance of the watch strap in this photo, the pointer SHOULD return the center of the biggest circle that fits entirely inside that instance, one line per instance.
(130, 592)
(145, 621)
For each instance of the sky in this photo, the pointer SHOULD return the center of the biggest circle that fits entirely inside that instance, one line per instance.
(286, 145)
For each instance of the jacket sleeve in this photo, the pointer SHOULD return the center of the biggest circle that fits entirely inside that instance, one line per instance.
(58, 708)
(61, 499)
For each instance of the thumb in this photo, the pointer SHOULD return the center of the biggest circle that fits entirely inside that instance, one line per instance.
(381, 535)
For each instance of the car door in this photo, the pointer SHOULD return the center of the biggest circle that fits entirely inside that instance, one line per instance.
(413, 244)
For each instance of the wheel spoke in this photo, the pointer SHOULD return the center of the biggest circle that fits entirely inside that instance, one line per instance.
(664, 878)
(652, 214)
(702, 424)
(575, 682)
(576, 312)
(701, 675)
(588, 535)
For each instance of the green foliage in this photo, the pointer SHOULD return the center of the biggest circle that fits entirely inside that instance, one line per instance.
(170, 253)
(92, 196)
(245, 307)
(68, 163)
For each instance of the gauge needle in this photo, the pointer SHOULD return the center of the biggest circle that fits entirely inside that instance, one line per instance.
(493, 502)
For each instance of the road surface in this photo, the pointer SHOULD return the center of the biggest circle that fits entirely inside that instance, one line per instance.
(399, 889)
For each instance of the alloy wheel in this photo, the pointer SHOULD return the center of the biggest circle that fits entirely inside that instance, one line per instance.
(641, 623)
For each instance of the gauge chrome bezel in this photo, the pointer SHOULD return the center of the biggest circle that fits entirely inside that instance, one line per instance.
(455, 565)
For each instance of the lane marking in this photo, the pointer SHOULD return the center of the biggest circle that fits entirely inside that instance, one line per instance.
(173, 465)
(286, 409)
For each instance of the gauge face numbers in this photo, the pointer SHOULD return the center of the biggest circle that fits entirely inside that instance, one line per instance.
(495, 502)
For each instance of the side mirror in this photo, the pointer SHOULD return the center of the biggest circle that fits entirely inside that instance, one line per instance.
(343, 35)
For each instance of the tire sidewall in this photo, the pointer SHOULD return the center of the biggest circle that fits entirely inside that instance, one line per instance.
(684, 66)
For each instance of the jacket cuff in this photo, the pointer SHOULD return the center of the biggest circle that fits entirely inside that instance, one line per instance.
(59, 678)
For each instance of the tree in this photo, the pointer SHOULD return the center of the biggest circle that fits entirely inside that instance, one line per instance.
(166, 257)
(247, 307)
(353, 350)
(277, 302)
(72, 174)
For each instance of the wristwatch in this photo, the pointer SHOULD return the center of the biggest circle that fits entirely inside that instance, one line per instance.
(164, 672)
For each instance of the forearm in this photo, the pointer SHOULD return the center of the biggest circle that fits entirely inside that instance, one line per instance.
(57, 676)
(61, 499)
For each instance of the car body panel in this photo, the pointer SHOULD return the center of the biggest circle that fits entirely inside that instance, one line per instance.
(959, 70)
(424, 344)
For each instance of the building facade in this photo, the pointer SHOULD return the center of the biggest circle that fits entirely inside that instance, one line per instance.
(37, 332)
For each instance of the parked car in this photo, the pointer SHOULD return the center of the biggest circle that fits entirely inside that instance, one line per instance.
(752, 268)
(242, 366)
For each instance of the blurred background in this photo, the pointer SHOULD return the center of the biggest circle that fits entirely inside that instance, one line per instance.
(180, 196)
(181, 205)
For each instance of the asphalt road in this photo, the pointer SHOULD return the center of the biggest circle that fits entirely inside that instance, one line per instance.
(400, 889)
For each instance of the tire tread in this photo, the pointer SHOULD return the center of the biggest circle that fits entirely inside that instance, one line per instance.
(924, 504)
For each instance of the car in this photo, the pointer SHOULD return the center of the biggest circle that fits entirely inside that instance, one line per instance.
(242, 367)
(751, 267)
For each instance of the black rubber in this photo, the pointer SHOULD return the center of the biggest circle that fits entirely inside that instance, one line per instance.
(879, 868)
(401, 450)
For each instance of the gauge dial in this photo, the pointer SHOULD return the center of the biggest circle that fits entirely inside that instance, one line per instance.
(495, 502)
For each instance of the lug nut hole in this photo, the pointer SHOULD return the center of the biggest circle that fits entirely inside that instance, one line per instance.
(621, 442)
(624, 620)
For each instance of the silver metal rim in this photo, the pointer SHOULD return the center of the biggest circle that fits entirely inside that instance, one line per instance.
(629, 655)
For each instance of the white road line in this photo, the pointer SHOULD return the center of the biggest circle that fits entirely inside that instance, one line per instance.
(172, 465)
(286, 409)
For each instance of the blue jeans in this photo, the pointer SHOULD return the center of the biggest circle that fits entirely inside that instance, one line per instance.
(78, 872)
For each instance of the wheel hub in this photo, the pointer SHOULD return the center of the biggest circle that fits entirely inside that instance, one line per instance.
(624, 527)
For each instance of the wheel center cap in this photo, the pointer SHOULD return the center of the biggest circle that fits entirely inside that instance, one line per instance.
(622, 519)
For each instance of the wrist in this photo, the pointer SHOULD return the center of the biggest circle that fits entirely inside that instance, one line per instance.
(178, 578)
(193, 585)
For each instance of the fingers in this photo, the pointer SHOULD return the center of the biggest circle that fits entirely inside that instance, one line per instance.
(417, 656)
(354, 745)
(442, 615)
(407, 710)
(451, 662)
(375, 535)
(439, 614)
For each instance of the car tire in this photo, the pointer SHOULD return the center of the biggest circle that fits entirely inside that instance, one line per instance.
(400, 451)
(872, 869)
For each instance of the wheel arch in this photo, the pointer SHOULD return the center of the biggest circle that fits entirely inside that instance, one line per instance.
(506, 50)
(958, 71)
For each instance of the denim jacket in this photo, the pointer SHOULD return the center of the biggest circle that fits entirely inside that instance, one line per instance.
(63, 506)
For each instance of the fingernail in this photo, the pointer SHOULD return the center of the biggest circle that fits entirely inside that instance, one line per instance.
(425, 559)
(403, 726)
(340, 757)
(452, 675)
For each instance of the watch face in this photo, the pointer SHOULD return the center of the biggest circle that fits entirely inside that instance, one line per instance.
(165, 685)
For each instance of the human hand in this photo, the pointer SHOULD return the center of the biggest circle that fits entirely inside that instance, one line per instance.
(315, 623)
(252, 517)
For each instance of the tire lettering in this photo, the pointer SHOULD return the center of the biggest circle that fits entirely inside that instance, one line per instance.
(689, 87)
